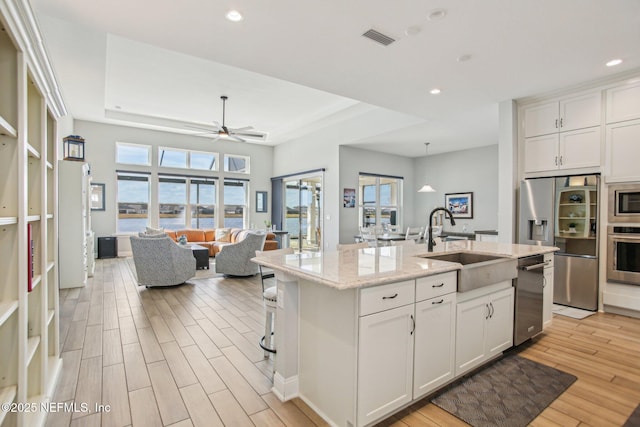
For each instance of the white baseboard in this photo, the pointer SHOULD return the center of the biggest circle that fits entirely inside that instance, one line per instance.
(285, 388)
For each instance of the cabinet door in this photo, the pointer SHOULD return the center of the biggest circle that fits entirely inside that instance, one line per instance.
(623, 151)
(623, 103)
(580, 148)
(580, 111)
(470, 333)
(385, 362)
(547, 297)
(500, 322)
(541, 153)
(434, 343)
(541, 119)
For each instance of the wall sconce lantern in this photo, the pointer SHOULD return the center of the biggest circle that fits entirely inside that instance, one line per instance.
(73, 147)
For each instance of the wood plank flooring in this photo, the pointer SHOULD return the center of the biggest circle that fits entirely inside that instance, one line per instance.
(188, 356)
(180, 356)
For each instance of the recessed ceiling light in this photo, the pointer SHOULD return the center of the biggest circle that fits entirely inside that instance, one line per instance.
(463, 58)
(437, 14)
(413, 30)
(614, 62)
(435, 91)
(234, 16)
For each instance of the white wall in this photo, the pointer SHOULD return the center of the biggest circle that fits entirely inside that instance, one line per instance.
(355, 160)
(474, 170)
(100, 153)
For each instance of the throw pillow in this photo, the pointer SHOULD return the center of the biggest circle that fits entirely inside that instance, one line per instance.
(223, 235)
(153, 231)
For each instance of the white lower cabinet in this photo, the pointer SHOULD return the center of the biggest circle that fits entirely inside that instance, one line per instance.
(385, 362)
(484, 328)
(547, 291)
(434, 344)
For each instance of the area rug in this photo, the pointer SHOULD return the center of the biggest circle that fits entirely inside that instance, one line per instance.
(574, 313)
(634, 419)
(510, 392)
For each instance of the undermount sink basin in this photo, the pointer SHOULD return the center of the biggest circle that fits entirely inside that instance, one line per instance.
(479, 270)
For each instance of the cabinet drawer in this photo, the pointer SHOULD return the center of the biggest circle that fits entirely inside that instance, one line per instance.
(385, 297)
(433, 286)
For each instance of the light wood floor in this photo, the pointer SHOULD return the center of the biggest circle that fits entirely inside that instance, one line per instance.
(188, 356)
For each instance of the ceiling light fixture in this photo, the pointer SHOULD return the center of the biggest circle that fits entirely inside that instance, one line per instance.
(437, 14)
(614, 62)
(426, 188)
(413, 30)
(435, 91)
(234, 16)
(464, 58)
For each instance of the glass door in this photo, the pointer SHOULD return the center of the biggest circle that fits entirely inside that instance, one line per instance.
(302, 210)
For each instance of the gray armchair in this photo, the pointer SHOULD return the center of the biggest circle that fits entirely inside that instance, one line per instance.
(160, 261)
(233, 260)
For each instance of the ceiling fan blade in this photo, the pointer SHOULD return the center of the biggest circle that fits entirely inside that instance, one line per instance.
(214, 128)
(262, 136)
(240, 129)
(235, 138)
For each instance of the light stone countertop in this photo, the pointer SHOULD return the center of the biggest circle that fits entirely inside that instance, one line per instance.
(356, 268)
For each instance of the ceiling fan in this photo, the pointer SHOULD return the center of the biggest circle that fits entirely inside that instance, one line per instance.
(221, 131)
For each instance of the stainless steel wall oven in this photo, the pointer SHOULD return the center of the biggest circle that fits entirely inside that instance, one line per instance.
(624, 203)
(623, 254)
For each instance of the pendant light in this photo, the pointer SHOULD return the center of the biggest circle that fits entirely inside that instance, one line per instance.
(426, 188)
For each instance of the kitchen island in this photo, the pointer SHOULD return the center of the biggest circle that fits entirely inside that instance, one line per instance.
(361, 334)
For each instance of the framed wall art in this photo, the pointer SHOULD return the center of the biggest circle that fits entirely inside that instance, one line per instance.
(97, 197)
(261, 201)
(460, 204)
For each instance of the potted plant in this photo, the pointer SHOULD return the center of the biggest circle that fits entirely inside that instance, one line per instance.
(267, 224)
(572, 227)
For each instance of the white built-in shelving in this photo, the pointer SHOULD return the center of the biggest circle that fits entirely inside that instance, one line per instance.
(30, 105)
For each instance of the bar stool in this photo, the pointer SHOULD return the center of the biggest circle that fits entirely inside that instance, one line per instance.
(270, 299)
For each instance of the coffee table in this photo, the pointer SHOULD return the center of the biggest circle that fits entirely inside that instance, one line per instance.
(201, 255)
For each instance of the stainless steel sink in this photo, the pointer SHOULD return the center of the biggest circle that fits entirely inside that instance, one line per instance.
(479, 270)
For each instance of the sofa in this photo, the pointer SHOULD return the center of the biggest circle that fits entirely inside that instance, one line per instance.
(215, 239)
(160, 262)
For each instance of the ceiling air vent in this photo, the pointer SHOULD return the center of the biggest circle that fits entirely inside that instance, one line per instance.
(378, 37)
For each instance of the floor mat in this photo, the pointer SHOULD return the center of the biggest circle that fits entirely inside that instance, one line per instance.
(575, 313)
(510, 392)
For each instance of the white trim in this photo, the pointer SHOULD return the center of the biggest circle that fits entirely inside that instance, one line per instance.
(285, 388)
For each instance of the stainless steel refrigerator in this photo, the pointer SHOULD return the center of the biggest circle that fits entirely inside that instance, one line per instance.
(563, 212)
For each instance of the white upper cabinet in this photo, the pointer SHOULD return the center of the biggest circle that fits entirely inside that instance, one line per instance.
(623, 151)
(563, 134)
(623, 103)
(571, 113)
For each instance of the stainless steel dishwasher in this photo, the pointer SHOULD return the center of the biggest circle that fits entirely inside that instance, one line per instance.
(528, 305)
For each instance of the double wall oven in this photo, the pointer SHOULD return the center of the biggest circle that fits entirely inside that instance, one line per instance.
(623, 234)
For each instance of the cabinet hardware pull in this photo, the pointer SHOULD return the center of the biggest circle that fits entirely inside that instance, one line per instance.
(560, 160)
(487, 316)
(544, 282)
(492, 309)
(413, 320)
(438, 286)
(556, 161)
(437, 302)
(556, 123)
(561, 120)
(391, 297)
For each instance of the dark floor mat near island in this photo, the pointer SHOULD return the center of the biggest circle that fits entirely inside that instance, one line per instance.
(510, 392)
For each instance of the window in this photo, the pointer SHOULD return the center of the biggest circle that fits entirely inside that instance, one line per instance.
(238, 164)
(235, 203)
(380, 200)
(170, 158)
(133, 202)
(204, 161)
(186, 159)
(133, 154)
(172, 199)
(202, 200)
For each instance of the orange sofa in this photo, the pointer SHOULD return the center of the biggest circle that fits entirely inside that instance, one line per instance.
(207, 238)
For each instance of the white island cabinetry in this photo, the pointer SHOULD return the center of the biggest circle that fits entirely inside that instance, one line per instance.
(484, 326)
